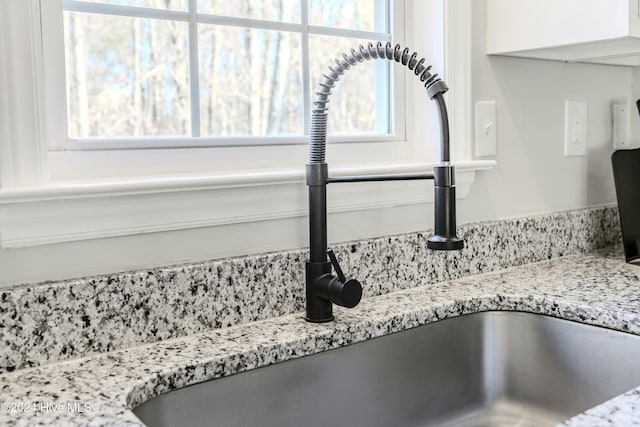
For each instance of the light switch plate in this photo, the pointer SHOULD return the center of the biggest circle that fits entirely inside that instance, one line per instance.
(485, 129)
(575, 128)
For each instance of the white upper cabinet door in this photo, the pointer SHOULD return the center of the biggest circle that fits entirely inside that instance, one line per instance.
(598, 31)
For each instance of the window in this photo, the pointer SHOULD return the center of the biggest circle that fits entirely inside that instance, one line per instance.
(98, 184)
(172, 99)
(137, 69)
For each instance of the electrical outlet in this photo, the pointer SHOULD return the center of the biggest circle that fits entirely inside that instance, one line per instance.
(621, 130)
(575, 128)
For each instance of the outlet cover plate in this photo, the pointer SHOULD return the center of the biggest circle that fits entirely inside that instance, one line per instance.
(575, 128)
(621, 130)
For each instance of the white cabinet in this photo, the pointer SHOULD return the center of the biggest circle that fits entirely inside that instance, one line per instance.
(599, 31)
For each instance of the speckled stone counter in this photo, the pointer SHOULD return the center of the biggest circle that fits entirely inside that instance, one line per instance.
(46, 322)
(596, 288)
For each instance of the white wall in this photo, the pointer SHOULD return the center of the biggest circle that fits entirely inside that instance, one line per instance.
(532, 177)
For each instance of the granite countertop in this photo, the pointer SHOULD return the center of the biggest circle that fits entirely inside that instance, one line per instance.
(596, 288)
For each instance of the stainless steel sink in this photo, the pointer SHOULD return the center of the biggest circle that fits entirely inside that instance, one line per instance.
(484, 369)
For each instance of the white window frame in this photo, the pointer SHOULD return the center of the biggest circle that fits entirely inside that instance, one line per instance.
(272, 153)
(54, 62)
(49, 196)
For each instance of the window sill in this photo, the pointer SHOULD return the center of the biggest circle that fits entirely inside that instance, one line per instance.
(64, 213)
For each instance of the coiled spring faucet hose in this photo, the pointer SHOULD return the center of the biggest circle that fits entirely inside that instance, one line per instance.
(434, 85)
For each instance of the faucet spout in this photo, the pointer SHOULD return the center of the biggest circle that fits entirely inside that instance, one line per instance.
(323, 289)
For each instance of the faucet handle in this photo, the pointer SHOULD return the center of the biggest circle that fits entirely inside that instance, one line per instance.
(336, 266)
(346, 294)
(340, 290)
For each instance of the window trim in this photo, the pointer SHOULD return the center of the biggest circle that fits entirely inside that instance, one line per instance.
(23, 130)
(66, 213)
(35, 211)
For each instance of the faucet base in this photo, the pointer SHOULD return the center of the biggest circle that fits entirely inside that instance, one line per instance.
(327, 320)
(318, 310)
(440, 243)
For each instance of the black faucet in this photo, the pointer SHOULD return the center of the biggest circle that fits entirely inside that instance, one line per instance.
(323, 289)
